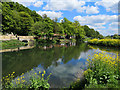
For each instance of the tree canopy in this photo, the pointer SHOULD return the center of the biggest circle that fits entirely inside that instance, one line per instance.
(21, 20)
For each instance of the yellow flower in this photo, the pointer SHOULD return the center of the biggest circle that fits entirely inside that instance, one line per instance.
(35, 73)
(39, 72)
(18, 79)
(44, 72)
(42, 75)
(22, 73)
(13, 72)
(8, 79)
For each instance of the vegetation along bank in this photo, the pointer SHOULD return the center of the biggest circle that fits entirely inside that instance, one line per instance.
(11, 44)
(105, 42)
(103, 71)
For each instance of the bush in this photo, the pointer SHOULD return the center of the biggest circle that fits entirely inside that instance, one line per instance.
(105, 42)
(11, 44)
(103, 71)
(36, 81)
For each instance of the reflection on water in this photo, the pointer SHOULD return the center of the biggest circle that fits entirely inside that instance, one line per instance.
(65, 62)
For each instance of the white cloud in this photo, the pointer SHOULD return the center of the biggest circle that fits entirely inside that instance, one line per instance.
(114, 25)
(63, 4)
(96, 19)
(25, 2)
(103, 23)
(51, 14)
(92, 10)
(70, 5)
(110, 5)
(38, 4)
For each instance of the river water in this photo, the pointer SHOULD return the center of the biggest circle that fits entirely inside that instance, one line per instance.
(65, 62)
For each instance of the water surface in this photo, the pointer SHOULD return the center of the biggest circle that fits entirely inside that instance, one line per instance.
(65, 62)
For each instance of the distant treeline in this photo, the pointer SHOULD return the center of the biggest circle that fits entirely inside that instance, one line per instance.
(21, 20)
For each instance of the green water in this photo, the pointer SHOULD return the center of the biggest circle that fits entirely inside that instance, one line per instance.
(63, 61)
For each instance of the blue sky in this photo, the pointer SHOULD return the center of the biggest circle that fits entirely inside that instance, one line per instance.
(102, 15)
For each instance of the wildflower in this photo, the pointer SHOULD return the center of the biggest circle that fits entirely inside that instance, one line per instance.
(44, 72)
(42, 75)
(18, 79)
(39, 72)
(13, 72)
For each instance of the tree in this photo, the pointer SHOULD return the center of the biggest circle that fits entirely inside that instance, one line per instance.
(116, 36)
(80, 33)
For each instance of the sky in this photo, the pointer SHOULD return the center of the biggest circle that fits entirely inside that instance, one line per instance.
(101, 15)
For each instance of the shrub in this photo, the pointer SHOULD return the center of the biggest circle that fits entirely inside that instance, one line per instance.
(105, 42)
(36, 81)
(11, 44)
(103, 71)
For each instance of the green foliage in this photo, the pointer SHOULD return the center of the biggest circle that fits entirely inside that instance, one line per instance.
(115, 36)
(103, 71)
(92, 33)
(36, 81)
(22, 21)
(105, 42)
(11, 44)
(17, 18)
(39, 82)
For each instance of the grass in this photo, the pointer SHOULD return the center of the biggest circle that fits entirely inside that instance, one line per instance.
(11, 44)
(105, 42)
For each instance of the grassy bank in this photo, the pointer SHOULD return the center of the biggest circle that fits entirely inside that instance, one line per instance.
(105, 42)
(103, 72)
(11, 44)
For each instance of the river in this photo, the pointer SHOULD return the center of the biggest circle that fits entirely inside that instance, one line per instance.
(65, 62)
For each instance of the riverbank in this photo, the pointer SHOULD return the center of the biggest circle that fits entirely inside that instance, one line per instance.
(105, 42)
(11, 44)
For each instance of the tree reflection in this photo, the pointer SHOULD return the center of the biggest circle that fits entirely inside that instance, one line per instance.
(25, 60)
